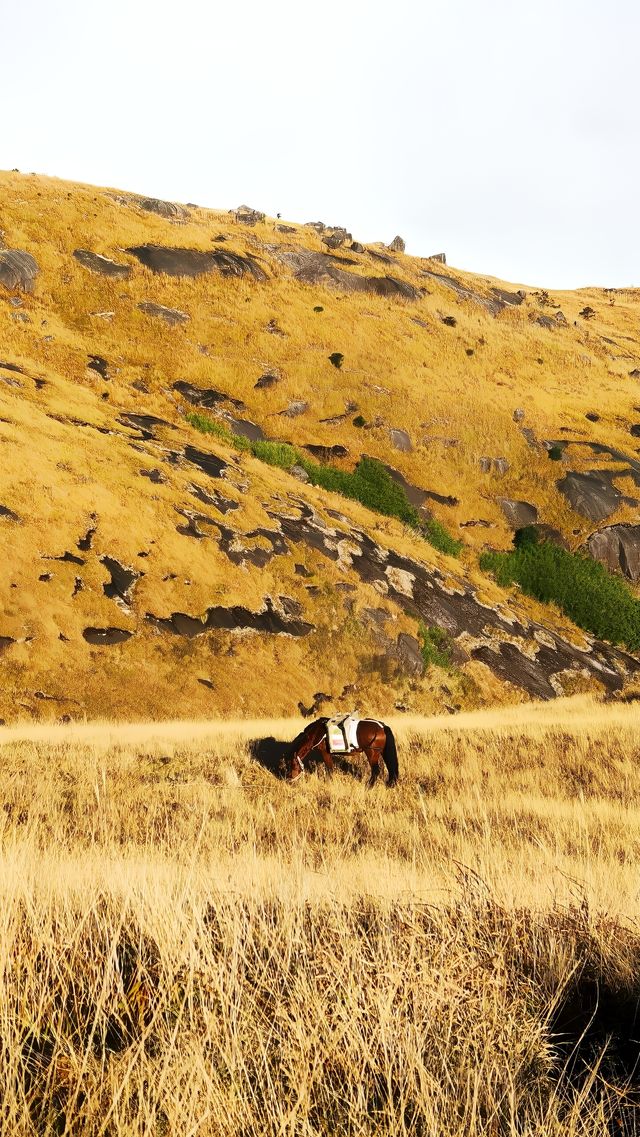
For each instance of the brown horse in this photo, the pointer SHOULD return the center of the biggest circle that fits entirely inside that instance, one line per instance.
(375, 740)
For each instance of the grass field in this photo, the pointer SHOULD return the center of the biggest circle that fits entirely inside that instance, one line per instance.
(188, 945)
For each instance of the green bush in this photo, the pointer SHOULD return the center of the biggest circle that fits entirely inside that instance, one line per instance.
(435, 647)
(436, 534)
(592, 597)
(555, 453)
(279, 454)
(209, 426)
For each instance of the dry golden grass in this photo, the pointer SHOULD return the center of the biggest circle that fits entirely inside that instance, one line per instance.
(190, 946)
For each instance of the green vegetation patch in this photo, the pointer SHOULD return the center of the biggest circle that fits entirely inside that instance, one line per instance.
(592, 597)
(435, 646)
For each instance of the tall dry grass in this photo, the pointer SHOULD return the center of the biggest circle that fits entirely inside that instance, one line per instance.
(189, 945)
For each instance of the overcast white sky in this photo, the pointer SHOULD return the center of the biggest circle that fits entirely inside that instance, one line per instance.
(504, 133)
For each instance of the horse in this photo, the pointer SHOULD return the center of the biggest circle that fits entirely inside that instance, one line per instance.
(375, 740)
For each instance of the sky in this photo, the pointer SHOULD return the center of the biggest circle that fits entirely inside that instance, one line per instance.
(503, 133)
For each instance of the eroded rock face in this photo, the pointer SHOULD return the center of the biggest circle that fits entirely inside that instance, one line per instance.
(269, 619)
(397, 245)
(323, 269)
(95, 262)
(618, 548)
(400, 440)
(590, 494)
(169, 315)
(196, 262)
(524, 653)
(18, 270)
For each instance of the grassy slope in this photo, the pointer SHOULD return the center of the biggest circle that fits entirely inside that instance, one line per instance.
(180, 929)
(56, 475)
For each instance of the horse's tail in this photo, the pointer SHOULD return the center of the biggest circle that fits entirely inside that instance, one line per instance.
(390, 756)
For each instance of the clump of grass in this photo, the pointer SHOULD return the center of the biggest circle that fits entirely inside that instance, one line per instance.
(435, 646)
(592, 597)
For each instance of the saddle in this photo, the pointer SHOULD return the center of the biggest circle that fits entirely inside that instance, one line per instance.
(342, 733)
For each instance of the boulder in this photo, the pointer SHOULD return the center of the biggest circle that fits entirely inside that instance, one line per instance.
(400, 440)
(169, 315)
(441, 258)
(333, 240)
(518, 414)
(266, 381)
(166, 209)
(519, 514)
(18, 270)
(618, 548)
(590, 494)
(356, 247)
(635, 430)
(245, 215)
(204, 396)
(95, 262)
(295, 408)
(397, 245)
(195, 262)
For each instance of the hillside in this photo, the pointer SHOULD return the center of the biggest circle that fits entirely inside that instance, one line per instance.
(153, 569)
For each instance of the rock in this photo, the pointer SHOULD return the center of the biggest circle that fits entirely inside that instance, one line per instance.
(327, 453)
(266, 381)
(209, 463)
(441, 258)
(166, 209)
(155, 476)
(274, 328)
(245, 215)
(122, 580)
(635, 430)
(286, 229)
(397, 245)
(204, 396)
(95, 262)
(8, 514)
(18, 270)
(592, 416)
(618, 548)
(323, 269)
(336, 359)
(146, 424)
(333, 240)
(299, 473)
(500, 465)
(195, 262)
(519, 514)
(169, 315)
(400, 440)
(548, 533)
(245, 428)
(450, 321)
(99, 364)
(518, 414)
(590, 494)
(106, 637)
(408, 653)
(295, 408)
(268, 619)
(635, 374)
(356, 247)
(319, 226)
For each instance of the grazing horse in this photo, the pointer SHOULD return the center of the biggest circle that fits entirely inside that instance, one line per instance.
(375, 740)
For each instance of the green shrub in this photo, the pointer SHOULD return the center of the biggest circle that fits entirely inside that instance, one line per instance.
(359, 421)
(209, 426)
(555, 453)
(436, 534)
(279, 454)
(435, 646)
(592, 597)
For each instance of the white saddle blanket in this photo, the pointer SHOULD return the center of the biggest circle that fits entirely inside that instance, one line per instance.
(342, 733)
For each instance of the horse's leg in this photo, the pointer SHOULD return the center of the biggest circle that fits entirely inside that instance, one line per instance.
(327, 758)
(373, 755)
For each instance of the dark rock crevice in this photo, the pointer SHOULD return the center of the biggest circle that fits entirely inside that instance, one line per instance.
(234, 619)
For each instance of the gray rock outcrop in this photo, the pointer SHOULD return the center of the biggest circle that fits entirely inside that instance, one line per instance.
(397, 245)
(618, 548)
(166, 209)
(18, 270)
(519, 514)
(245, 215)
(590, 494)
(323, 269)
(195, 262)
(169, 315)
(95, 262)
